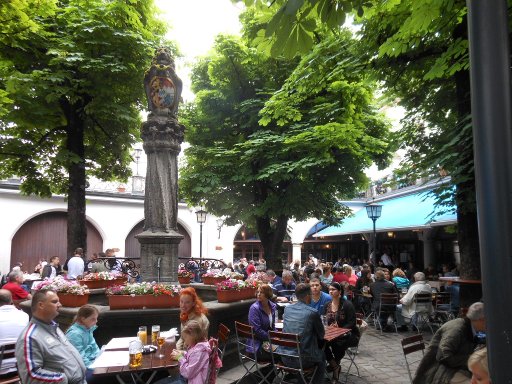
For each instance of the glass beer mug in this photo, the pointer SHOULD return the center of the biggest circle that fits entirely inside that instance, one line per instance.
(143, 334)
(135, 350)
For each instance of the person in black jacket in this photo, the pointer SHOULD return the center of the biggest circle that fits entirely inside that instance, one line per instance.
(51, 269)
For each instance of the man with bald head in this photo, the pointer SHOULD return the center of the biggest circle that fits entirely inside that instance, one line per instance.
(12, 322)
(43, 352)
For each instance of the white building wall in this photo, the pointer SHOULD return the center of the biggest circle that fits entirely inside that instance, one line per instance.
(114, 218)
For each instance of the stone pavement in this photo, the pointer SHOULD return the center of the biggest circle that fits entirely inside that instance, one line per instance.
(380, 360)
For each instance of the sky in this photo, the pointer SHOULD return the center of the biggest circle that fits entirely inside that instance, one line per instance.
(194, 25)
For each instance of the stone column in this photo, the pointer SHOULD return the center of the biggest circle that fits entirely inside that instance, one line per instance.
(162, 136)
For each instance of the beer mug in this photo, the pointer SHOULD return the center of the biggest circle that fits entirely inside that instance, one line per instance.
(143, 334)
(135, 351)
(155, 332)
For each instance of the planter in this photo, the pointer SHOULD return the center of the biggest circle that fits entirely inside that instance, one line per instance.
(210, 280)
(68, 300)
(143, 301)
(229, 296)
(94, 284)
(184, 280)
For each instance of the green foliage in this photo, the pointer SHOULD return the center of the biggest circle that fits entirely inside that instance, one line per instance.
(73, 69)
(274, 138)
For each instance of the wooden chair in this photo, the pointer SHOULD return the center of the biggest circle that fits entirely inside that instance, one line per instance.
(7, 352)
(387, 306)
(423, 310)
(410, 345)
(222, 337)
(249, 360)
(287, 346)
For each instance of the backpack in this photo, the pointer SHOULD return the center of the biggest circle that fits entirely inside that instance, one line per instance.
(214, 362)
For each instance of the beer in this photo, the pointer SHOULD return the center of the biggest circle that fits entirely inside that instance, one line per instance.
(160, 340)
(143, 336)
(135, 359)
(155, 333)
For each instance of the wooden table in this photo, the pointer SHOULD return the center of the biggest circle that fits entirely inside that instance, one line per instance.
(151, 363)
(332, 333)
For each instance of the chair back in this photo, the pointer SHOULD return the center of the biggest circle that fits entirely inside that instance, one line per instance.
(7, 351)
(223, 337)
(388, 302)
(409, 345)
(423, 302)
(287, 346)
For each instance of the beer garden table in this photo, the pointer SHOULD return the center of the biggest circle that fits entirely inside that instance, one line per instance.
(151, 363)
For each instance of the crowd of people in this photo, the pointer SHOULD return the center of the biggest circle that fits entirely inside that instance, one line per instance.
(306, 298)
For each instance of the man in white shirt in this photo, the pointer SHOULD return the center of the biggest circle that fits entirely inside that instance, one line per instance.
(12, 322)
(407, 308)
(76, 265)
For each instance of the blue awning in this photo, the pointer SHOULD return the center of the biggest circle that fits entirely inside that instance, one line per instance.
(407, 212)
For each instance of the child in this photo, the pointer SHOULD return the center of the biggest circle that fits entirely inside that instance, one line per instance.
(193, 362)
(80, 335)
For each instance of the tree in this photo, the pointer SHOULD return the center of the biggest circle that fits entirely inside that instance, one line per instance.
(275, 139)
(419, 50)
(71, 88)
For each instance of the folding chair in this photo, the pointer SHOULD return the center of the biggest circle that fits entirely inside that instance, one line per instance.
(223, 337)
(423, 310)
(412, 344)
(351, 352)
(249, 360)
(443, 310)
(287, 346)
(7, 352)
(387, 306)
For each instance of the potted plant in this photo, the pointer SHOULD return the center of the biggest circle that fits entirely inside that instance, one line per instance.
(232, 290)
(259, 277)
(143, 295)
(70, 292)
(184, 276)
(103, 279)
(213, 277)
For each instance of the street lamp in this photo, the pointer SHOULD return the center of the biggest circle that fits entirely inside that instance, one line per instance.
(373, 211)
(201, 219)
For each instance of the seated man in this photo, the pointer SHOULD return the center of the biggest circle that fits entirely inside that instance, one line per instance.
(285, 289)
(12, 322)
(14, 286)
(305, 321)
(380, 286)
(319, 299)
(446, 357)
(407, 309)
(43, 352)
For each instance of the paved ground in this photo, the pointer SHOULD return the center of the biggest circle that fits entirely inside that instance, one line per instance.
(380, 360)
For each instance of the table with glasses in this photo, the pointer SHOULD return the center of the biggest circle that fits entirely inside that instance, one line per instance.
(115, 353)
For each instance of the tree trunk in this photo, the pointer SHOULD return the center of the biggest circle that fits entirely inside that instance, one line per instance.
(272, 237)
(467, 227)
(76, 225)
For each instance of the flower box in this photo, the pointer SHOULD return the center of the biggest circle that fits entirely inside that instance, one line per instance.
(94, 284)
(143, 301)
(184, 280)
(211, 280)
(229, 296)
(69, 300)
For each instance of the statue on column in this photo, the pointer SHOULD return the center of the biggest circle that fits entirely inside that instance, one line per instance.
(162, 136)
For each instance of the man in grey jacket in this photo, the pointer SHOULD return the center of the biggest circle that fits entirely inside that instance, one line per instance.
(43, 352)
(304, 320)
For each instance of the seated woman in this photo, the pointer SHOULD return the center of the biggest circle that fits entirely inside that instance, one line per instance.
(80, 334)
(192, 308)
(340, 313)
(193, 362)
(479, 367)
(400, 280)
(262, 316)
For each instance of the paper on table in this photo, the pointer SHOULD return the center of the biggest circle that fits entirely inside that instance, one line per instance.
(279, 325)
(111, 359)
(170, 333)
(119, 342)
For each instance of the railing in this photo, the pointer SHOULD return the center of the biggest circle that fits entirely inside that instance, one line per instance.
(121, 264)
(199, 266)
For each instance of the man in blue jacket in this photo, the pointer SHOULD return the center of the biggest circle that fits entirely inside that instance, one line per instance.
(305, 321)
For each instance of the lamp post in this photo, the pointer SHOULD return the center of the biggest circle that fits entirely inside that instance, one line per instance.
(201, 219)
(374, 211)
